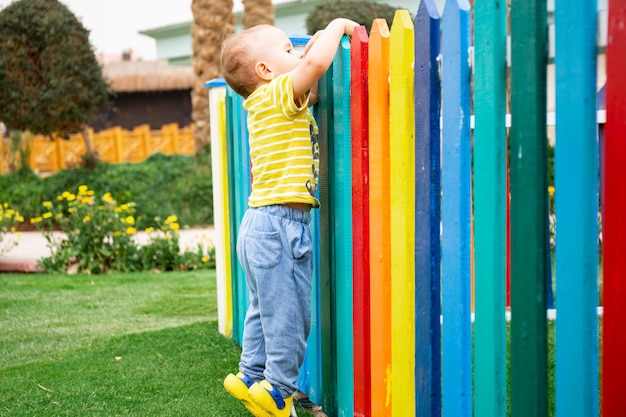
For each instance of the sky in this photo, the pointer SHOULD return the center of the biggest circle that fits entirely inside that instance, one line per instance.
(114, 25)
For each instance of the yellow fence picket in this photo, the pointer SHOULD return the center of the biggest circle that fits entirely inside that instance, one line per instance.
(402, 142)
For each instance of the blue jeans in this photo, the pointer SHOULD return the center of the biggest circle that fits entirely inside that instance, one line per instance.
(274, 247)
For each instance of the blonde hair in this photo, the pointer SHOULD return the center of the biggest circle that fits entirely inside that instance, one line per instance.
(239, 59)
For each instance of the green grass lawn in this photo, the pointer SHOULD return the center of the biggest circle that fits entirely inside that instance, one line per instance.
(137, 344)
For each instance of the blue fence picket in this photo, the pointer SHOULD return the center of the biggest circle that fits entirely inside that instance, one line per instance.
(576, 176)
(427, 212)
(455, 210)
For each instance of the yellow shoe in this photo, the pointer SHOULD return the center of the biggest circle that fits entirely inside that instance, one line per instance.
(269, 399)
(238, 386)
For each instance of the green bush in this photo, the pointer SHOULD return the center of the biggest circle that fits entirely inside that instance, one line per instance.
(99, 237)
(363, 12)
(160, 186)
(9, 219)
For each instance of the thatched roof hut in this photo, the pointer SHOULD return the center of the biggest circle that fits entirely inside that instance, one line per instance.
(136, 76)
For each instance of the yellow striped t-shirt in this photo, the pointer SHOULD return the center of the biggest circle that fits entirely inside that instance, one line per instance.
(284, 145)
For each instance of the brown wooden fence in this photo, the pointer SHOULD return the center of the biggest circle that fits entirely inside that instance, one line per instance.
(114, 145)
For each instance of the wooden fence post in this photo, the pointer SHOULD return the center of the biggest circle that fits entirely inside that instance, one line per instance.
(380, 253)
(529, 206)
(490, 202)
(576, 179)
(340, 233)
(456, 331)
(614, 227)
(360, 222)
(427, 100)
(402, 194)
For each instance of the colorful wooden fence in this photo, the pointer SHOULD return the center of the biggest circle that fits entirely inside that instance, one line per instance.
(404, 183)
(114, 145)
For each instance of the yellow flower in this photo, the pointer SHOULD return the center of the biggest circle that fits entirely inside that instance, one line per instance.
(59, 215)
(205, 259)
(36, 220)
(171, 219)
(59, 197)
(174, 226)
(71, 197)
(12, 229)
(130, 220)
(149, 229)
(47, 215)
(107, 198)
(86, 200)
(19, 235)
(551, 190)
(86, 219)
(47, 204)
(117, 233)
(131, 230)
(9, 212)
(71, 210)
(82, 190)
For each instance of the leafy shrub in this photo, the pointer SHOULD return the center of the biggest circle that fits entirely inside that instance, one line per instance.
(98, 236)
(23, 190)
(159, 186)
(9, 219)
(363, 12)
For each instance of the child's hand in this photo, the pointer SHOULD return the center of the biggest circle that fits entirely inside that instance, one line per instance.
(349, 26)
(319, 53)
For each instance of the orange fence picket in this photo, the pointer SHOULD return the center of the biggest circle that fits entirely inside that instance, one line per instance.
(114, 145)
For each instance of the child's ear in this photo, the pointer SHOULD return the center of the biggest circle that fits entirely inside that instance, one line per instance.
(263, 70)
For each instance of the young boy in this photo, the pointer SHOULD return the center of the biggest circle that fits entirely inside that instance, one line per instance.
(274, 244)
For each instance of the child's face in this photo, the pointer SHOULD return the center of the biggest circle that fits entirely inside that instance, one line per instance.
(278, 51)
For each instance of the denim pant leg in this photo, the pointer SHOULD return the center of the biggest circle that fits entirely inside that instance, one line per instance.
(275, 249)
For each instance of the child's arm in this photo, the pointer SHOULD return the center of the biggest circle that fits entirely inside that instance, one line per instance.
(319, 54)
(314, 94)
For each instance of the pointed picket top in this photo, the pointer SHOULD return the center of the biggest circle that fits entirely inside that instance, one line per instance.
(455, 5)
(428, 8)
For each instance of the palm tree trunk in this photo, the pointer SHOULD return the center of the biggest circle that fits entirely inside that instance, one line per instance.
(257, 12)
(213, 20)
(90, 158)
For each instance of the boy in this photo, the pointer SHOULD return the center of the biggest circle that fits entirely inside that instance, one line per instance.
(274, 244)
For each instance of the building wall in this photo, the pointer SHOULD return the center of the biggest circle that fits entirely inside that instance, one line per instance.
(155, 108)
